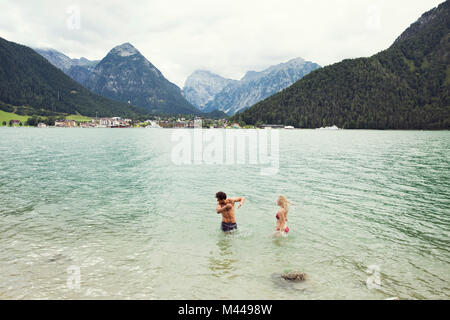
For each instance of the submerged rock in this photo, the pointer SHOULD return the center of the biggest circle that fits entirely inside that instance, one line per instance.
(55, 257)
(294, 276)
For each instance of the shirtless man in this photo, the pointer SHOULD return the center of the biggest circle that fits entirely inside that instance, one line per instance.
(225, 207)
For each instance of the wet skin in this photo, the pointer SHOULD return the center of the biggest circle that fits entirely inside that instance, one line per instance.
(226, 208)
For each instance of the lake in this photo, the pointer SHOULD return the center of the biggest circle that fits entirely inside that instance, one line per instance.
(105, 213)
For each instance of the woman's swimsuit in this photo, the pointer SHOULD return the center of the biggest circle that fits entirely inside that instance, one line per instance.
(278, 218)
(285, 229)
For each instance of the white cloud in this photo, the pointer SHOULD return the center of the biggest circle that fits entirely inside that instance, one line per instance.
(228, 37)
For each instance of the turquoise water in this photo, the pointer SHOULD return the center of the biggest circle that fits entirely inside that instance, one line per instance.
(112, 204)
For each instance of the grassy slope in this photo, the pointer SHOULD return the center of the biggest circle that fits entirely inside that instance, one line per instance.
(78, 118)
(6, 116)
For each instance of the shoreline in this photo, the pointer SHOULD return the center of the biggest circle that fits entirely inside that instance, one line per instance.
(281, 129)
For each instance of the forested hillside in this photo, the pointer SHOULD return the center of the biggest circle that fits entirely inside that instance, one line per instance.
(28, 79)
(404, 87)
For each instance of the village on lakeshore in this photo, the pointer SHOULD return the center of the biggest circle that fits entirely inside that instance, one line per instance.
(118, 122)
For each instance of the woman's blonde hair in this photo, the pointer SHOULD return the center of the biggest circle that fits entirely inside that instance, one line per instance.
(284, 203)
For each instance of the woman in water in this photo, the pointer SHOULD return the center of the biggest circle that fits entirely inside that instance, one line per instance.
(282, 228)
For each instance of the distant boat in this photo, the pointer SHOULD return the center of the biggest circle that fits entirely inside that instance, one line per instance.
(271, 126)
(289, 127)
(329, 128)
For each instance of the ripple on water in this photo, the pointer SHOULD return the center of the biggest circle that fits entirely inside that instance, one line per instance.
(112, 203)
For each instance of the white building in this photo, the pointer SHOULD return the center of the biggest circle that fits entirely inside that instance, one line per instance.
(105, 122)
(152, 124)
(198, 123)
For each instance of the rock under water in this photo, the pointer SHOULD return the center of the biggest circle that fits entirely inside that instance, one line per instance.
(294, 276)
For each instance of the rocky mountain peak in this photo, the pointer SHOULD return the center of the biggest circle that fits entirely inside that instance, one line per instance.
(124, 50)
(428, 18)
(201, 87)
(253, 87)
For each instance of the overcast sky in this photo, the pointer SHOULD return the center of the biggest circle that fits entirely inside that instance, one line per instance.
(228, 37)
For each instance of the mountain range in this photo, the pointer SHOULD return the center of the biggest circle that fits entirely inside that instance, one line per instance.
(64, 62)
(78, 69)
(29, 82)
(208, 91)
(202, 86)
(124, 75)
(404, 87)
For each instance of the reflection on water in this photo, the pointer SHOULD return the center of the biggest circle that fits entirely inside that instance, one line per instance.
(282, 257)
(224, 264)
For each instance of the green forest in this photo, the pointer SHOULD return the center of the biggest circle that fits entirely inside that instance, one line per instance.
(31, 82)
(404, 87)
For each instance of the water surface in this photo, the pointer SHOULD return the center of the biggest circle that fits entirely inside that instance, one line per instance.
(113, 204)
